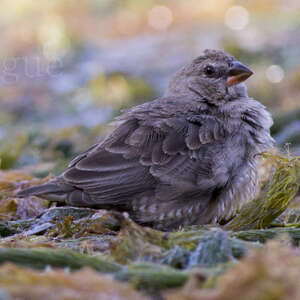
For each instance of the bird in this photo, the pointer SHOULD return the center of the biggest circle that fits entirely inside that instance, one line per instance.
(189, 157)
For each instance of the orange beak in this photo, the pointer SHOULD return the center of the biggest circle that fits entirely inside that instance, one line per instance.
(238, 73)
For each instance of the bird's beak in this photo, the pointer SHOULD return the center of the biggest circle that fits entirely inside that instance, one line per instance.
(238, 73)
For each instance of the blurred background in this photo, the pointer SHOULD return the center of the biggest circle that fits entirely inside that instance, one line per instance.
(68, 67)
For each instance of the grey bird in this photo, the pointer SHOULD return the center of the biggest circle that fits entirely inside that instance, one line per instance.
(189, 157)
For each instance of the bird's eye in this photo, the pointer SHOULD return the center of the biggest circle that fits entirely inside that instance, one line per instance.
(209, 70)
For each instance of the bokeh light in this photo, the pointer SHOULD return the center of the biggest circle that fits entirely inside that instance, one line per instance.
(237, 17)
(275, 74)
(160, 17)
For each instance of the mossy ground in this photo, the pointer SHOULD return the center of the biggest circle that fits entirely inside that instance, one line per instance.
(66, 69)
(197, 262)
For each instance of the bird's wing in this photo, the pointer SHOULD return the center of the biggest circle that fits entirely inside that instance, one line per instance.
(145, 152)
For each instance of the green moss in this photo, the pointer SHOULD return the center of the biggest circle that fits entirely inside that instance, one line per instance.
(279, 191)
(6, 229)
(152, 277)
(40, 258)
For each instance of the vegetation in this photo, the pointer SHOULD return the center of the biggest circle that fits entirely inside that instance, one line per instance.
(66, 69)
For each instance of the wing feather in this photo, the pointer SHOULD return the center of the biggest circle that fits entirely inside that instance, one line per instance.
(141, 155)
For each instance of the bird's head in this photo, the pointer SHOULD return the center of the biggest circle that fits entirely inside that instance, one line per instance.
(215, 77)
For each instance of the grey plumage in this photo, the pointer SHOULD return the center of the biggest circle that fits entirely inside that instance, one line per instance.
(186, 158)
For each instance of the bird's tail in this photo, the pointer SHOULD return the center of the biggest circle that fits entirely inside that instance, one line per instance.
(49, 191)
